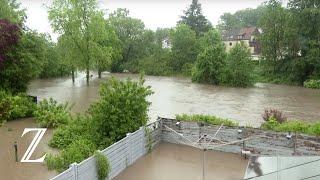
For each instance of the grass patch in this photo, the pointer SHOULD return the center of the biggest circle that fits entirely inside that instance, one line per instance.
(292, 126)
(213, 120)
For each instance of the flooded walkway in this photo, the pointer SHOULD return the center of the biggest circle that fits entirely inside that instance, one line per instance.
(12, 170)
(174, 162)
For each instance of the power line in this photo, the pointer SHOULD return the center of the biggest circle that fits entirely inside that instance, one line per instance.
(311, 177)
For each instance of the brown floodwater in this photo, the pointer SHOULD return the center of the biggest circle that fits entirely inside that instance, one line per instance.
(174, 95)
(12, 170)
(173, 161)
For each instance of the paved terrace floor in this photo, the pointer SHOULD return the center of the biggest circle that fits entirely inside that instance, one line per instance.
(175, 162)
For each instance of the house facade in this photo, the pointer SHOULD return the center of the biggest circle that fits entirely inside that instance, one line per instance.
(247, 36)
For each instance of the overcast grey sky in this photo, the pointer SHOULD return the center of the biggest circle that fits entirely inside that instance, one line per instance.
(154, 13)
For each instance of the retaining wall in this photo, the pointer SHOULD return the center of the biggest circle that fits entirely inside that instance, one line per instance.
(270, 144)
(126, 151)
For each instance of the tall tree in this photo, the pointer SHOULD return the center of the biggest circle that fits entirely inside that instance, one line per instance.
(81, 22)
(194, 18)
(242, 18)
(211, 59)
(22, 51)
(239, 67)
(273, 41)
(130, 32)
(184, 47)
(306, 15)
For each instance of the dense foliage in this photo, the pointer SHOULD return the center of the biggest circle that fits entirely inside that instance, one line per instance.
(184, 47)
(211, 59)
(314, 84)
(238, 71)
(15, 106)
(77, 151)
(50, 114)
(290, 41)
(122, 108)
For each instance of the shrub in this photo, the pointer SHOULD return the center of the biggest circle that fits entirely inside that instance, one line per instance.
(207, 119)
(122, 108)
(50, 114)
(271, 124)
(21, 106)
(274, 113)
(76, 129)
(209, 65)
(4, 107)
(77, 151)
(239, 69)
(312, 83)
(102, 164)
(13, 107)
(314, 129)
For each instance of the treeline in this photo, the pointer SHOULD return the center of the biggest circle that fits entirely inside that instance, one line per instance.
(290, 39)
(24, 53)
(91, 41)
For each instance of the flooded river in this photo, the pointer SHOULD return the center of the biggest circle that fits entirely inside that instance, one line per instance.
(174, 95)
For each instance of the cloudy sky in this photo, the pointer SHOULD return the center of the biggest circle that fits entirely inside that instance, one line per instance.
(154, 13)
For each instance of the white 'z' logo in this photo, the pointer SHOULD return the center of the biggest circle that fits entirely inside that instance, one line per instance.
(33, 145)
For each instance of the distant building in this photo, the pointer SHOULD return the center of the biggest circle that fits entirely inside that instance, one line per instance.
(247, 35)
(166, 43)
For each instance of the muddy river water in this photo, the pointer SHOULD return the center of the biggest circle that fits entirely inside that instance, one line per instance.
(172, 95)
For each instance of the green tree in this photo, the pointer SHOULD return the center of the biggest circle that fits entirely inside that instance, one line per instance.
(239, 69)
(82, 24)
(54, 66)
(123, 108)
(184, 47)
(194, 18)
(11, 10)
(242, 18)
(306, 15)
(273, 40)
(25, 62)
(130, 31)
(211, 59)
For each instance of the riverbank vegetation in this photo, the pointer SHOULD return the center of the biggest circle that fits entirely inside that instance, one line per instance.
(275, 121)
(90, 41)
(206, 119)
(121, 109)
(15, 106)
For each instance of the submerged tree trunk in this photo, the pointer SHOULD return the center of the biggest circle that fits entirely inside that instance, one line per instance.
(99, 73)
(88, 75)
(72, 73)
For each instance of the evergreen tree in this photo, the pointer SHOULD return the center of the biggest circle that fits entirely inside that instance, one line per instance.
(195, 19)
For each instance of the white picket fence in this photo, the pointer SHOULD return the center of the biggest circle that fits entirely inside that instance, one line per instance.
(120, 155)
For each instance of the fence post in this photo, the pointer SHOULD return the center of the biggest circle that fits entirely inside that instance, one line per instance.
(129, 149)
(74, 167)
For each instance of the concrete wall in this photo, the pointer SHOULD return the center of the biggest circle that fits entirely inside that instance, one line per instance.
(120, 155)
(126, 151)
(271, 144)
